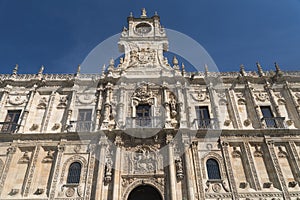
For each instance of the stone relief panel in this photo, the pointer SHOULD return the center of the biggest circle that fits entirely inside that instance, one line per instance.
(285, 161)
(239, 168)
(242, 108)
(143, 159)
(17, 99)
(15, 176)
(261, 165)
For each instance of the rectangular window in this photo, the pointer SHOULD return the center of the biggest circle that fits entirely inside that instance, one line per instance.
(10, 124)
(203, 117)
(143, 115)
(84, 121)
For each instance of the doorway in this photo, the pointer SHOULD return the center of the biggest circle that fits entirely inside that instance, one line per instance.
(144, 192)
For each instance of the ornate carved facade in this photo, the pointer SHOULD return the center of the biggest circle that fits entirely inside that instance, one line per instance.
(148, 127)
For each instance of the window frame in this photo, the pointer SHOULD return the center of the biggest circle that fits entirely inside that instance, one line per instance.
(10, 124)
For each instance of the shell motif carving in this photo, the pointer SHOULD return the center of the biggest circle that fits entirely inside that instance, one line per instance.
(200, 96)
(17, 100)
(85, 99)
(262, 96)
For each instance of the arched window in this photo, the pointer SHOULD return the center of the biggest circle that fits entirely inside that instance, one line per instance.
(74, 173)
(213, 170)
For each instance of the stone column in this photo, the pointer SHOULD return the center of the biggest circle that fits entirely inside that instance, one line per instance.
(120, 112)
(99, 107)
(277, 170)
(117, 169)
(189, 175)
(181, 106)
(10, 152)
(101, 167)
(107, 105)
(172, 172)
(229, 170)
(295, 108)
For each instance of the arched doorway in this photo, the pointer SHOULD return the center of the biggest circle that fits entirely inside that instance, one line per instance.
(144, 192)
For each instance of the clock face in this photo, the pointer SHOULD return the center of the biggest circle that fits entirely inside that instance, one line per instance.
(143, 28)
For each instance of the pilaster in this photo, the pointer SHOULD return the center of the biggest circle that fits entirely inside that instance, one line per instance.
(278, 172)
(172, 172)
(229, 170)
(189, 176)
(30, 172)
(250, 163)
(10, 152)
(197, 170)
(101, 167)
(57, 165)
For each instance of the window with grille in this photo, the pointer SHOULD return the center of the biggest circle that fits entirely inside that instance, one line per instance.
(143, 115)
(74, 173)
(84, 122)
(213, 170)
(203, 118)
(11, 121)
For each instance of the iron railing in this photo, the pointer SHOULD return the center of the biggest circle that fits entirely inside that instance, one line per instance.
(9, 127)
(274, 122)
(205, 123)
(144, 122)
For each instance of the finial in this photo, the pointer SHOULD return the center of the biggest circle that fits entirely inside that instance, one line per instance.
(259, 68)
(242, 70)
(155, 13)
(41, 70)
(175, 61)
(144, 13)
(112, 62)
(278, 70)
(182, 69)
(206, 69)
(103, 69)
(78, 69)
(277, 67)
(15, 71)
(130, 14)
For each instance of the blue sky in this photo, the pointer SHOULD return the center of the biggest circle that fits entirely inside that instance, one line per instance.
(60, 33)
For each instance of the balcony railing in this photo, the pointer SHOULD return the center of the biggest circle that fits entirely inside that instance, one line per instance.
(8, 127)
(274, 122)
(144, 122)
(81, 126)
(205, 123)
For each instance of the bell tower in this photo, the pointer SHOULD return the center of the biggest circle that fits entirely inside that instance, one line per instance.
(143, 42)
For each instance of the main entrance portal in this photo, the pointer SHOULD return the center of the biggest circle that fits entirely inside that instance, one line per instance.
(144, 192)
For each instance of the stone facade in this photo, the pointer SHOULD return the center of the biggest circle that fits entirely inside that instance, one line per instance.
(148, 122)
